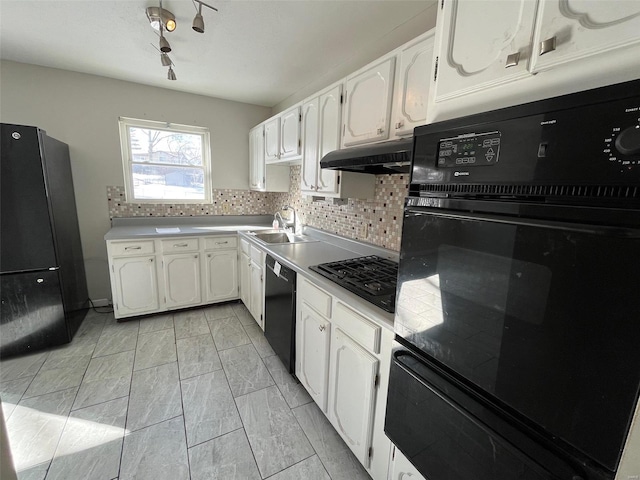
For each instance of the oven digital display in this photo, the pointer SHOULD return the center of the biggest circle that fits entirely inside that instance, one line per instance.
(469, 150)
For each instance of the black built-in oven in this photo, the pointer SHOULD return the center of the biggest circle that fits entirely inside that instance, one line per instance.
(518, 306)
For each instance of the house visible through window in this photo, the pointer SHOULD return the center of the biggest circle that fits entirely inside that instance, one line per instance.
(165, 163)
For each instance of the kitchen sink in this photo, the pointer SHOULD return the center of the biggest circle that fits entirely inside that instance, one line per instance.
(275, 238)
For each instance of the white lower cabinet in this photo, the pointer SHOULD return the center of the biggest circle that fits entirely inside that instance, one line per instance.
(352, 393)
(245, 272)
(402, 469)
(256, 284)
(342, 359)
(135, 285)
(155, 275)
(181, 273)
(221, 275)
(312, 353)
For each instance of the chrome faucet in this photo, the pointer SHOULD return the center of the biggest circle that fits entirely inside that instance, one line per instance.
(296, 226)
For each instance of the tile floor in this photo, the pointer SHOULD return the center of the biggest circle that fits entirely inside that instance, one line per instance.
(194, 395)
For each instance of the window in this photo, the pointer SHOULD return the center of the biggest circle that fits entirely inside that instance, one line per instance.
(165, 162)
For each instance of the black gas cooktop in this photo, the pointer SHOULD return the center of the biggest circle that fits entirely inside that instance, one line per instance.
(372, 278)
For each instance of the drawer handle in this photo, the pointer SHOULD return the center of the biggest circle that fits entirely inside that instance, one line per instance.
(132, 248)
(180, 244)
(512, 60)
(321, 328)
(549, 45)
(222, 243)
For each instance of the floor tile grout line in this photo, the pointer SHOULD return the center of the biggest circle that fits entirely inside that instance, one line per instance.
(297, 463)
(308, 439)
(184, 416)
(126, 417)
(214, 438)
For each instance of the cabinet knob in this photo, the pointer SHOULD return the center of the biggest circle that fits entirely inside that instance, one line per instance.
(512, 60)
(195, 256)
(398, 125)
(209, 255)
(151, 259)
(548, 45)
(380, 131)
(321, 328)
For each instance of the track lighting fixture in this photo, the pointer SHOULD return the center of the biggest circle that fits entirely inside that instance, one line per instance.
(163, 20)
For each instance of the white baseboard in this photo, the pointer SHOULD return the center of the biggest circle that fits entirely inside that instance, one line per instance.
(101, 302)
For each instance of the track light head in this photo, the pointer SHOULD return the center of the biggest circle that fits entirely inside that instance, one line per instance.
(164, 45)
(165, 60)
(171, 74)
(161, 18)
(198, 23)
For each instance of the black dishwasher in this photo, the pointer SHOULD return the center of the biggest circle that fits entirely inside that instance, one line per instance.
(280, 311)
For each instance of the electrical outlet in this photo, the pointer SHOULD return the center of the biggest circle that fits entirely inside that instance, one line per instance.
(225, 207)
(364, 230)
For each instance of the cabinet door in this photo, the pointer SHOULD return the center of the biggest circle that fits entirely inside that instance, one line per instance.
(412, 87)
(182, 279)
(403, 469)
(478, 41)
(136, 285)
(222, 275)
(330, 113)
(352, 393)
(368, 104)
(312, 353)
(256, 159)
(310, 160)
(290, 134)
(272, 140)
(256, 301)
(245, 279)
(582, 28)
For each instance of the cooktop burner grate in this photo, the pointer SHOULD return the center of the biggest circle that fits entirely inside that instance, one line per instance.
(372, 278)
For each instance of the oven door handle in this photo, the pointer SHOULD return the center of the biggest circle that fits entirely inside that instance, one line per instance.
(601, 230)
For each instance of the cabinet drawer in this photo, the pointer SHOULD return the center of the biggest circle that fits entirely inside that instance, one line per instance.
(122, 249)
(217, 243)
(316, 298)
(362, 330)
(257, 255)
(180, 245)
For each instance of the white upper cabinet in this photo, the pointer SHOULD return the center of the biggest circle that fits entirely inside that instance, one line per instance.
(482, 43)
(310, 132)
(272, 140)
(368, 104)
(330, 117)
(412, 85)
(290, 144)
(568, 30)
(256, 159)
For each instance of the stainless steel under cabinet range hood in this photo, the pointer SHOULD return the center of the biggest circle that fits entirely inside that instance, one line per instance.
(393, 156)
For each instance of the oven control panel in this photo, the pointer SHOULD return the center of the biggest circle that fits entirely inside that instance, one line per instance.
(469, 150)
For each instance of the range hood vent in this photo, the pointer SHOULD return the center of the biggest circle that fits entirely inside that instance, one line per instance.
(389, 157)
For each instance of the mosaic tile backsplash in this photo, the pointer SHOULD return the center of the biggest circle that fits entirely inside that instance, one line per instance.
(377, 220)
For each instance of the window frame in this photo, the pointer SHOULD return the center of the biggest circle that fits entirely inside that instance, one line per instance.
(124, 123)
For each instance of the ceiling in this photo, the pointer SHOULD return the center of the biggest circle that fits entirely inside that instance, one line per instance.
(254, 51)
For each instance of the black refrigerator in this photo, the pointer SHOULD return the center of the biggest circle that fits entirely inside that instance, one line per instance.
(43, 287)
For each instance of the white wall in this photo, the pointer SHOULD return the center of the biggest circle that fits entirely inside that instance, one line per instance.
(409, 30)
(82, 111)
